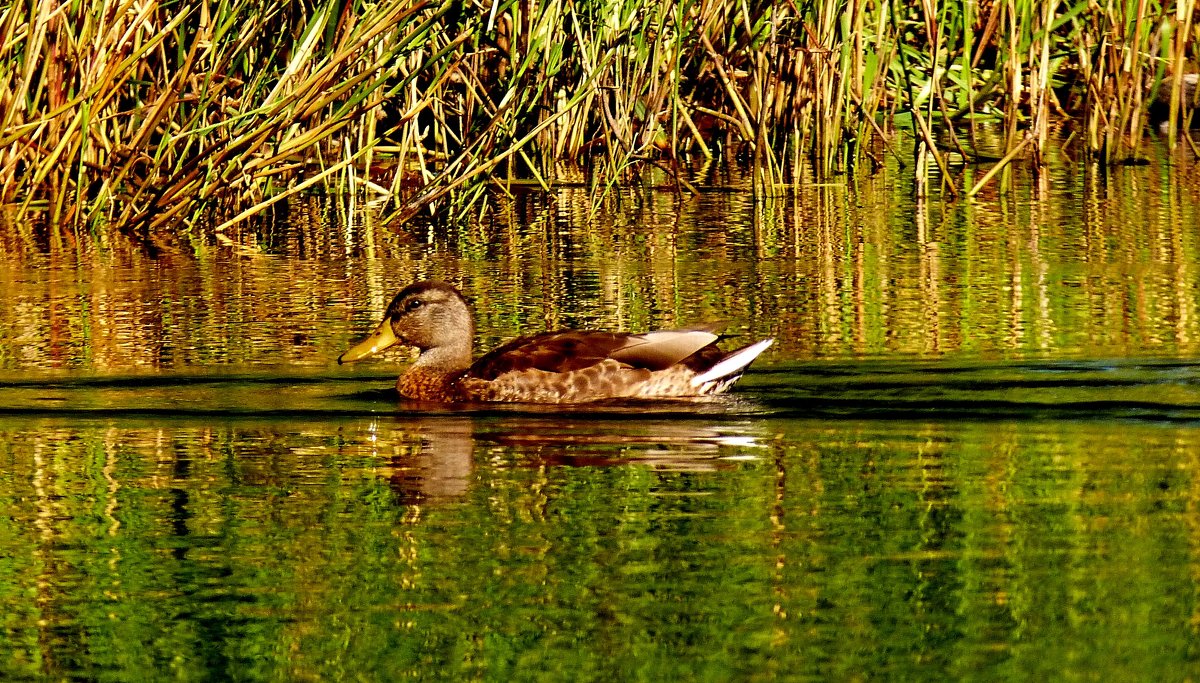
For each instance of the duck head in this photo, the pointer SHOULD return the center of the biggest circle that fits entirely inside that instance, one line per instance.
(430, 315)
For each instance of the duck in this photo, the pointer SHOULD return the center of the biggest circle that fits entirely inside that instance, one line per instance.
(565, 366)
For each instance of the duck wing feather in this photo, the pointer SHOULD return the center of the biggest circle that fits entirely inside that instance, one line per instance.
(573, 350)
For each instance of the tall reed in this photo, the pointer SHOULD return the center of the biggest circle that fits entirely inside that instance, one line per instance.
(152, 115)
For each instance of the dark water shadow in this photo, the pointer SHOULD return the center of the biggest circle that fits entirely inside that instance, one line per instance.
(1165, 390)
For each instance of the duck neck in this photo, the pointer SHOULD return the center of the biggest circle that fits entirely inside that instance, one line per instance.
(434, 375)
(447, 358)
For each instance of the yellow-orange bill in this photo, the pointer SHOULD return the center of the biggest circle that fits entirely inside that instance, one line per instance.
(377, 341)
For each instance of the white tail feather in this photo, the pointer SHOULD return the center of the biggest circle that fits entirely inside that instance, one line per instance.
(732, 364)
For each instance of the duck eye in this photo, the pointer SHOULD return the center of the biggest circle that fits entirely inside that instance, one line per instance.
(413, 304)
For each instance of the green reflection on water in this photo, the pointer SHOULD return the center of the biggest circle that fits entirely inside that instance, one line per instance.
(463, 547)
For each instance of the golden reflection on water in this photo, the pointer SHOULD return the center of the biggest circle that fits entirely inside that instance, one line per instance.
(1075, 263)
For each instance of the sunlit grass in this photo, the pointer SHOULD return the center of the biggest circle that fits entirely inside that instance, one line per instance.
(153, 116)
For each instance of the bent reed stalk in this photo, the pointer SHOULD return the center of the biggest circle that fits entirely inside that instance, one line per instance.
(152, 114)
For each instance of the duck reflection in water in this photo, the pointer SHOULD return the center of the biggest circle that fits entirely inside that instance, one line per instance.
(440, 467)
(434, 459)
(569, 366)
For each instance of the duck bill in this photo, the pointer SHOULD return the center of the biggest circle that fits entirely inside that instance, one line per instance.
(382, 338)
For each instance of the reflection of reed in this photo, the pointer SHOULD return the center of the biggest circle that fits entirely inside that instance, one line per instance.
(45, 513)
(930, 278)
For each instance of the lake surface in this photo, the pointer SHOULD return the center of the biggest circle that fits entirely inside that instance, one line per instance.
(973, 452)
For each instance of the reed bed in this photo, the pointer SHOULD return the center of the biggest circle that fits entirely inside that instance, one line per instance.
(155, 115)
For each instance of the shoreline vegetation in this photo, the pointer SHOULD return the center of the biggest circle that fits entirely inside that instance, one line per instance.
(154, 116)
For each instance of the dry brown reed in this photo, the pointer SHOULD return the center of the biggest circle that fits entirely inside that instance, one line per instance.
(150, 115)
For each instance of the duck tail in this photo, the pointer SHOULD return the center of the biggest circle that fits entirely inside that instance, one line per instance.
(726, 371)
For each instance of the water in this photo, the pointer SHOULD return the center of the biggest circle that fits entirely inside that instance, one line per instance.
(973, 452)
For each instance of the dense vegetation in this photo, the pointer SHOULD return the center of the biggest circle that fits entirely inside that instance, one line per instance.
(151, 115)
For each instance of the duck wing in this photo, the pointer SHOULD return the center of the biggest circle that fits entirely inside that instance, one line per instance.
(568, 351)
(662, 349)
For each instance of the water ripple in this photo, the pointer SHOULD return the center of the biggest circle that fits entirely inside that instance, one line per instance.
(1142, 390)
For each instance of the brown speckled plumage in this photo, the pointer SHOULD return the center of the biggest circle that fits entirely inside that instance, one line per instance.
(552, 367)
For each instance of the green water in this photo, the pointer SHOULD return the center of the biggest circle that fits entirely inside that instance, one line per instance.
(973, 452)
(598, 548)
